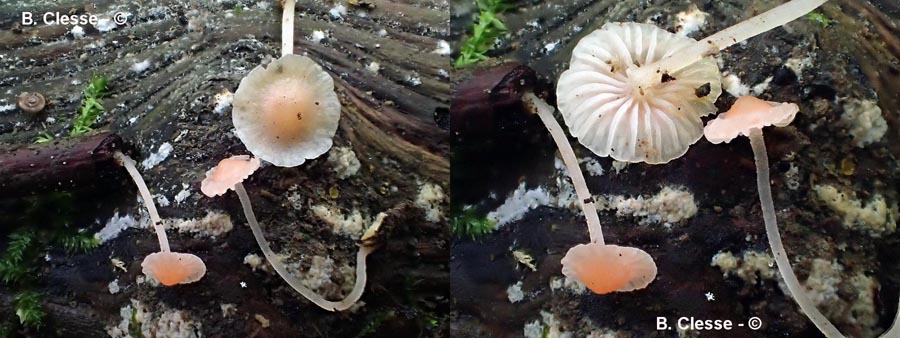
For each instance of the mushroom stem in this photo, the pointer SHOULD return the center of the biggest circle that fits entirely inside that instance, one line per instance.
(128, 163)
(798, 292)
(545, 112)
(725, 38)
(346, 303)
(287, 28)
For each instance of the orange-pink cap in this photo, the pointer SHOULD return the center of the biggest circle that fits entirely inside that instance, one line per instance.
(609, 268)
(748, 113)
(171, 268)
(227, 173)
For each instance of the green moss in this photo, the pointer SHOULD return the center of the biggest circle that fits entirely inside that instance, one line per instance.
(44, 138)
(819, 18)
(467, 222)
(485, 31)
(28, 309)
(91, 107)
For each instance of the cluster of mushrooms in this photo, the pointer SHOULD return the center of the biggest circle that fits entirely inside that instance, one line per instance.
(636, 93)
(285, 113)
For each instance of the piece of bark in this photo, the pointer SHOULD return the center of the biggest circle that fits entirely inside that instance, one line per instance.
(68, 164)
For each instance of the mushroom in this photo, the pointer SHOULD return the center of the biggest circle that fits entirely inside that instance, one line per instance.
(747, 117)
(169, 268)
(602, 268)
(230, 173)
(609, 268)
(631, 119)
(636, 93)
(31, 102)
(287, 112)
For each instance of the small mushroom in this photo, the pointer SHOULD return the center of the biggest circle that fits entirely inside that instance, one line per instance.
(609, 268)
(615, 111)
(747, 117)
(229, 174)
(169, 268)
(287, 112)
(31, 102)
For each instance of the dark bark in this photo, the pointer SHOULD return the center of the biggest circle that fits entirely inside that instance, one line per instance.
(76, 163)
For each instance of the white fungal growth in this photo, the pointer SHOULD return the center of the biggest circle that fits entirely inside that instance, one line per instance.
(160, 155)
(223, 101)
(167, 323)
(592, 167)
(183, 194)
(876, 217)
(214, 225)
(255, 262)
(823, 282)
(338, 11)
(343, 161)
(865, 121)
(317, 36)
(751, 267)
(670, 205)
(565, 283)
(432, 200)
(115, 225)
(514, 293)
(519, 202)
(140, 67)
(77, 32)
(105, 25)
(691, 20)
(351, 225)
(373, 67)
(798, 65)
(733, 85)
(545, 327)
(443, 48)
(114, 287)
(326, 277)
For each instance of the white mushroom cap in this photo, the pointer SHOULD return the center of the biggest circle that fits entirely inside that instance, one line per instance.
(287, 112)
(609, 268)
(227, 173)
(748, 113)
(171, 268)
(614, 112)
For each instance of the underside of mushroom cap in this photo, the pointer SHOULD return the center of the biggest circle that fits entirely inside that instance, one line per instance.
(287, 112)
(171, 268)
(749, 113)
(227, 173)
(630, 118)
(609, 268)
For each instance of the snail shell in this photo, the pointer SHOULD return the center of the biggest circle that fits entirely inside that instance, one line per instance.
(31, 102)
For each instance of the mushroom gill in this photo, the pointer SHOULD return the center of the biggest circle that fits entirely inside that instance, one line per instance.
(615, 112)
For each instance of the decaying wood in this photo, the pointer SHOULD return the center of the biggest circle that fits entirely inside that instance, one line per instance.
(73, 163)
(194, 51)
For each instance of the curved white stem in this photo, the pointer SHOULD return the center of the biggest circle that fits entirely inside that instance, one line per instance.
(128, 163)
(287, 28)
(545, 112)
(749, 28)
(295, 283)
(784, 265)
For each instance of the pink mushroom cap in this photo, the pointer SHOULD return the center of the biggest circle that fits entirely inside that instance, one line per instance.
(227, 174)
(609, 268)
(749, 113)
(171, 268)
